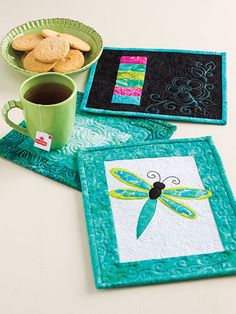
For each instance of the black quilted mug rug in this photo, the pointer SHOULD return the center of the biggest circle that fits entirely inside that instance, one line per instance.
(165, 84)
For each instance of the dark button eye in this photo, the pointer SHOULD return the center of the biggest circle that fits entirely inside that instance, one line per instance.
(159, 185)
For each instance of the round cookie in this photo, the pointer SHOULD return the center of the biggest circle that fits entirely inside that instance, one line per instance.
(51, 49)
(33, 65)
(26, 42)
(73, 61)
(76, 42)
(49, 33)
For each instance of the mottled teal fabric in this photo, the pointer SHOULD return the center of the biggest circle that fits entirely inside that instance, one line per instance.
(89, 130)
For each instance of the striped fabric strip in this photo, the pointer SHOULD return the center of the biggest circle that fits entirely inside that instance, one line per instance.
(130, 100)
(133, 60)
(126, 91)
(130, 75)
(130, 80)
(129, 83)
(132, 67)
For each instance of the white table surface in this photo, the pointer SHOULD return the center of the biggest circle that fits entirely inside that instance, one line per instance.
(45, 265)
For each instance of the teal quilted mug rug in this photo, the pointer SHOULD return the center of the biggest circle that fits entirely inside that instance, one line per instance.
(89, 130)
(157, 83)
(158, 212)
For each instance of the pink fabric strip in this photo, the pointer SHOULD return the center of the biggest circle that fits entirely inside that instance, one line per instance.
(118, 90)
(133, 60)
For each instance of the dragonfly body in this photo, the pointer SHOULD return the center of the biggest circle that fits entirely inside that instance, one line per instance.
(155, 193)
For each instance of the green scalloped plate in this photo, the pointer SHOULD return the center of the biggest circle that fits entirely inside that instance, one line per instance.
(76, 28)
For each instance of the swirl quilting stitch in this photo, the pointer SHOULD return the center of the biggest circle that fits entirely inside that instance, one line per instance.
(187, 95)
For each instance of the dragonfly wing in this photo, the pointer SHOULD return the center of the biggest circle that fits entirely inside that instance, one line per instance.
(187, 193)
(130, 178)
(145, 216)
(128, 194)
(178, 207)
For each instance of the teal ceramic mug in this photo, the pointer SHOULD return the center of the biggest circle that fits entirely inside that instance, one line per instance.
(56, 119)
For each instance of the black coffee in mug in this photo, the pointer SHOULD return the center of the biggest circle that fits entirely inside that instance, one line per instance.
(48, 93)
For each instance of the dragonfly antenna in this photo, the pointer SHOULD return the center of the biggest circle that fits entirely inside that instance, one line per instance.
(174, 181)
(153, 175)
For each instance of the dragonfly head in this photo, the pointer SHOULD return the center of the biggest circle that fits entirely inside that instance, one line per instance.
(159, 185)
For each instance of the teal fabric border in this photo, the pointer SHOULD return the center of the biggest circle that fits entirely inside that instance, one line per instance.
(108, 271)
(62, 168)
(222, 121)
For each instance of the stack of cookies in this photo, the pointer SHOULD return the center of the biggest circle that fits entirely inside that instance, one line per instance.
(51, 51)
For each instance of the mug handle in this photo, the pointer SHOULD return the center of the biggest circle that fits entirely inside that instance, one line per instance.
(5, 110)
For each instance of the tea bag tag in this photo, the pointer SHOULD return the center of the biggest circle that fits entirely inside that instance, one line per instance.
(43, 140)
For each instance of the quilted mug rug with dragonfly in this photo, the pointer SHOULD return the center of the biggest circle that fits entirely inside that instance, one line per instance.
(165, 84)
(157, 212)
